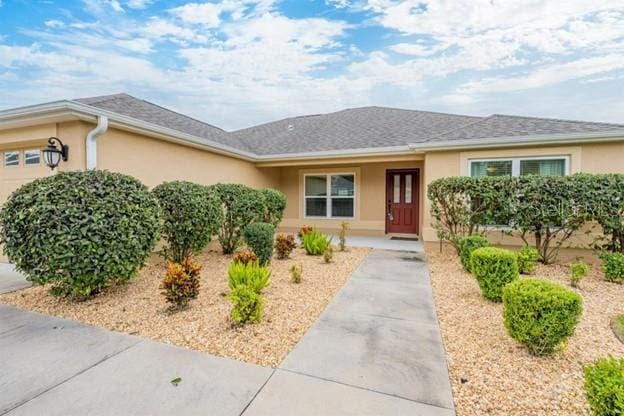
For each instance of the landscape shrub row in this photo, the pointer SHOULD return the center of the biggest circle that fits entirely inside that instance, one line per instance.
(544, 210)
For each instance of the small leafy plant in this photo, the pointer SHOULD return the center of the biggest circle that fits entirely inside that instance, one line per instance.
(296, 272)
(328, 254)
(259, 236)
(181, 283)
(284, 245)
(527, 257)
(251, 275)
(493, 268)
(247, 305)
(342, 235)
(469, 244)
(315, 243)
(303, 231)
(539, 314)
(578, 271)
(604, 386)
(613, 266)
(245, 257)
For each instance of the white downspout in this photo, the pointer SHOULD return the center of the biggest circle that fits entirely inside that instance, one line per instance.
(91, 145)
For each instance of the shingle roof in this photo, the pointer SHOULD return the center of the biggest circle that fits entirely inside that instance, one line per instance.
(357, 128)
(130, 106)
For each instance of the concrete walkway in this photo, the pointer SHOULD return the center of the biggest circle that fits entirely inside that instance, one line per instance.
(11, 280)
(376, 350)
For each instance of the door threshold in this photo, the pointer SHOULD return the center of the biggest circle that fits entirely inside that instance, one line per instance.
(415, 238)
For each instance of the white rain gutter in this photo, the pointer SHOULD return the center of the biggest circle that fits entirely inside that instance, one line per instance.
(91, 144)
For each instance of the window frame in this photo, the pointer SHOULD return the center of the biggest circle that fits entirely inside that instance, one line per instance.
(515, 162)
(38, 161)
(329, 197)
(4, 153)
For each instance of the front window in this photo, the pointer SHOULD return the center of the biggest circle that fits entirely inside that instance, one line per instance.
(11, 158)
(329, 195)
(31, 157)
(544, 166)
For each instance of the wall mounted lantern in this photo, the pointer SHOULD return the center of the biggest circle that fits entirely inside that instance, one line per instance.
(53, 155)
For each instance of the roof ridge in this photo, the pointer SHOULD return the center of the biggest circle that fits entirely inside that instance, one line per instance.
(557, 119)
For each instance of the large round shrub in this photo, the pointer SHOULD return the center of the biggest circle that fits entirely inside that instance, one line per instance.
(191, 216)
(540, 314)
(469, 244)
(241, 206)
(275, 204)
(259, 236)
(80, 230)
(493, 268)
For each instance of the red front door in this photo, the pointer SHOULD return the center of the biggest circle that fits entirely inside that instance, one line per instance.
(402, 201)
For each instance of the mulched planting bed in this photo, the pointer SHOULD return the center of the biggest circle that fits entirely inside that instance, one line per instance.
(138, 307)
(491, 373)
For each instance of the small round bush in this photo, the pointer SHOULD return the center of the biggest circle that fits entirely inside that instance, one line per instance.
(527, 257)
(468, 245)
(613, 267)
(275, 204)
(540, 314)
(191, 216)
(181, 283)
(259, 236)
(80, 230)
(604, 386)
(493, 268)
(284, 245)
(247, 305)
(241, 206)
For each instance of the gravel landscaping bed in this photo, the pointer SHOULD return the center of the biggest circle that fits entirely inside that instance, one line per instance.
(492, 374)
(138, 307)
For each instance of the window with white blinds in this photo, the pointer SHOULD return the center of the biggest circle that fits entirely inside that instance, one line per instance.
(544, 166)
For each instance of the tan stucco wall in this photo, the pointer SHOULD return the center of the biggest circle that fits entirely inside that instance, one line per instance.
(589, 158)
(370, 190)
(154, 161)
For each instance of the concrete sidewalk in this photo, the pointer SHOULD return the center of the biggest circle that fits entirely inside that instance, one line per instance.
(11, 280)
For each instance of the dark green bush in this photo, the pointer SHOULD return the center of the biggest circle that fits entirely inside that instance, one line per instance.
(469, 244)
(540, 314)
(241, 206)
(527, 257)
(247, 305)
(191, 216)
(604, 386)
(275, 204)
(259, 236)
(80, 230)
(493, 268)
(613, 267)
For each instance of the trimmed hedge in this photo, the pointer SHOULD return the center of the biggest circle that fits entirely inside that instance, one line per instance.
(540, 314)
(469, 244)
(259, 236)
(80, 230)
(191, 216)
(493, 268)
(275, 204)
(241, 206)
(604, 386)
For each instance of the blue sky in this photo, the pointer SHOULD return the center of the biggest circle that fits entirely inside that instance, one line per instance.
(235, 63)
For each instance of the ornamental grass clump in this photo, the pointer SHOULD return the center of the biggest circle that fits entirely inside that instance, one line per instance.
(527, 258)
(315, 243)
(259, 236)
(328, 255)
(296, 273)
(540, 314)
(80, 231)
(252, 274)
(613, 266)
(181, 283)
(604, 386)
(469, 244)
(493, 268)
(284, 245)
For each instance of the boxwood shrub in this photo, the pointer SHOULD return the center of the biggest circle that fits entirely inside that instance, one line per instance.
(241, 206)
(80, 230)
(540, 314)
(259, 237)
(493, 268)
(613, 266)
(604, 386)
(469, 244)
(191, 216)
(275, 204)
(527, 257)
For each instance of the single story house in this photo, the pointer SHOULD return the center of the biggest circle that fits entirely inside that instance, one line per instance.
(369, 166)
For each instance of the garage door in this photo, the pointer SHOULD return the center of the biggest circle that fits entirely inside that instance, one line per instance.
(19, 166)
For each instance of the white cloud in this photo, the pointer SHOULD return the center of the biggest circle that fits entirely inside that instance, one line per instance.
(53, 23)
(138, 4)
(116, 6)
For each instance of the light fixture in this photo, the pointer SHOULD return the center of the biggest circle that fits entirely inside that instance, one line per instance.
(52, 155)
